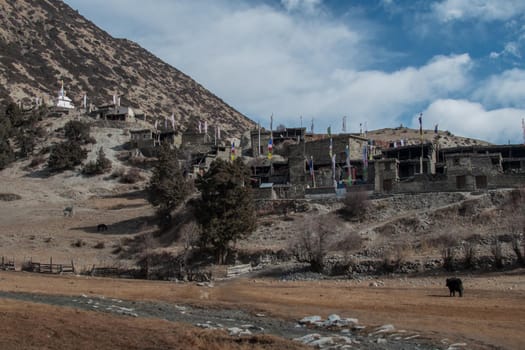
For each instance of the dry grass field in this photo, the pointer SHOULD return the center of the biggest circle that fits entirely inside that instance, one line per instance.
(489, 316)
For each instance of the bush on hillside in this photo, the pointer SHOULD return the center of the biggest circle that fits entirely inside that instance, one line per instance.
(100, 166)
(131, 176)
(355, 205)
(66, 155)
(78, 131)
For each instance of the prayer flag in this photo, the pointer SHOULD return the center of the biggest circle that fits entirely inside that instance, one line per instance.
(270, 148)
(348, 167)
(365, 155)
(420, 125)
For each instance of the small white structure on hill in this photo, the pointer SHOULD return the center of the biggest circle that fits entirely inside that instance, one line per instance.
(62, 100)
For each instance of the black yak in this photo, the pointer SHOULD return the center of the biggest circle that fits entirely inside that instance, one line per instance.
(102, 227)
(454, 285)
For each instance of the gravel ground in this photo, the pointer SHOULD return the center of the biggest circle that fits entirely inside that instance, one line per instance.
(236, 321)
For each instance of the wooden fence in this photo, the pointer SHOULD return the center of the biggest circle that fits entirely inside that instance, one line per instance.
(237, 270)
(7, 265)
(49, 268)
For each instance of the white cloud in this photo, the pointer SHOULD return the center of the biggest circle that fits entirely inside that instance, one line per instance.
(470, 119)
(511, 49)
(505, 89)
(484, 10)
(263, 60)
(308, 6)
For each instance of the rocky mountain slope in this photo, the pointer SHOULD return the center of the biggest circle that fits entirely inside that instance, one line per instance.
(44, 42)
(445, 138)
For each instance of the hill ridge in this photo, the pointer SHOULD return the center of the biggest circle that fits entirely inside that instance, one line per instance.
(44, 42)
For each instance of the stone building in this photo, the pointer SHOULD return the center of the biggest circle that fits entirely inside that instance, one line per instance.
(468, 168)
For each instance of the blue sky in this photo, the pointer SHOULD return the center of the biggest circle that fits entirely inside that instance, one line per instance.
(379, 62)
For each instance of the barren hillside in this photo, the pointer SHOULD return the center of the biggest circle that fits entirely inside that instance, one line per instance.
(411, 136)
(44, 42)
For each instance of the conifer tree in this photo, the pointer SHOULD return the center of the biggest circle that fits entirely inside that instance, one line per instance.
(103, 163)
(225, 211)
(168, 188)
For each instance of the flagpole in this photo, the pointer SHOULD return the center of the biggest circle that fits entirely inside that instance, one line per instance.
(421, 141)
(271, 137)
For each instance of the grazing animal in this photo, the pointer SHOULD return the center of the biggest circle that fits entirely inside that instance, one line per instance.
(69, 211)
(454, 285)
(102, 227)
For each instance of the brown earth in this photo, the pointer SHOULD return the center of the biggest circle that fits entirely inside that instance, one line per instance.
(489, 316)
(37, 326)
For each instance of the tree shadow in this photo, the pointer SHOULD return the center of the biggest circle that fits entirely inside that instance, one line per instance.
(129, 195)
(130, 226)
(41, 174)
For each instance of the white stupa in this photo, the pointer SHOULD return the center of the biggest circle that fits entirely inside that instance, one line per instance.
(63, 101)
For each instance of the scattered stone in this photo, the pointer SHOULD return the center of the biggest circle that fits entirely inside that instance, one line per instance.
(384, 329)
(205, 325)
(308, 338)
(310, 320)
(381, 341)
(235, 331)
(412, 337)
(322, 342)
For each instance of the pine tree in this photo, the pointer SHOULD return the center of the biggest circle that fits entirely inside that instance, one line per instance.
(103, 163)
(66, 155)
(225, 211)
(6, 151)
(168, 187)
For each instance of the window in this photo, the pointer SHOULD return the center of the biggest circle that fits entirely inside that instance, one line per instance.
(461, 182)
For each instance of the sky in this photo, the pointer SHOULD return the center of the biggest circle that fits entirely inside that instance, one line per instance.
(379, 63)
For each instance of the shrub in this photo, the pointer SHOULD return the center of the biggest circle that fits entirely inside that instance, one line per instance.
(66, 155)
(517, 246)
(311, 245)
(131, 176)
(119, 172)
(355, 204)
(350, 242)
(78, 243)
(497, 253)
(448, 255)
(9, 197)
(99, 245)
(469, 252)
(395, 258)
(100, 166)
(90, 168)
(75, 130)
(36, 161)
